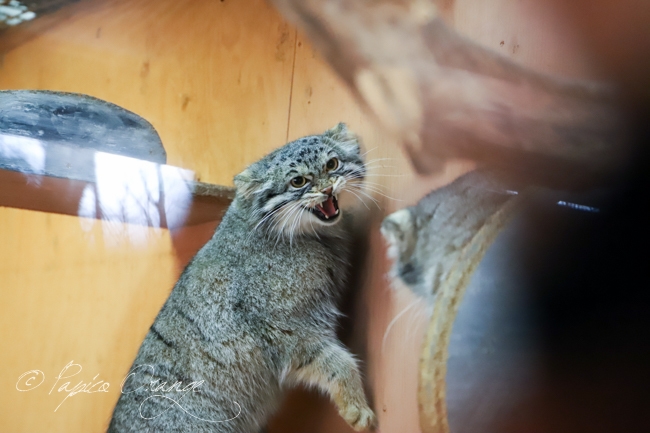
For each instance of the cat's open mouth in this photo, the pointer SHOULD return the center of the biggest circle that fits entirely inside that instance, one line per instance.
(327, 211)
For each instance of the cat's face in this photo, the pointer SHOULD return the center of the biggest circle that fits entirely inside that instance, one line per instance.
(295, 189)
(426, 241)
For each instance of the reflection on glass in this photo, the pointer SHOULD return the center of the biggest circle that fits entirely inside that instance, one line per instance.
(118, 189)
(18, 151)
(140, 193)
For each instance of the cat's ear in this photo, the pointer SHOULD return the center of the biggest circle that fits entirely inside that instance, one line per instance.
(344, 137)
(340, 132)
(399, 232)
(246, 183)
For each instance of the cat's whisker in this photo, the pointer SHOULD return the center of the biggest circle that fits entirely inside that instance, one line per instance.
(376, 191)
(296, 220)
(286, 225)
(269, 215)
(374, 184)
(374, 200)
(285, 230)
(373, 165)
(416, 318)
(311, 222)
(361, 192)
(271, 230)
(376, 165)
(374, 170)
(360, 199)
(278, 213)
(378, 159)
(365, 184)
(359, 188)
(394, 321)
(367, 170)
(370, 189)
(353, 177)
(348, 178)
(410, 324)
(284, 217)
(365, 175)
(299, 222)
(386, 175)
(368, 151)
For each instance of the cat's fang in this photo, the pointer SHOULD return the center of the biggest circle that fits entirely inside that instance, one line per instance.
(329, 207)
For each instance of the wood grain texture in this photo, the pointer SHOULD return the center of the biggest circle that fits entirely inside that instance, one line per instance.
(48, 14)
(214, 80)
(212, 77)
(528, 32)
(73, 290)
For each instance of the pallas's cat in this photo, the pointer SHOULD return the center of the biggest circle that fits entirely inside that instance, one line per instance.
(254, 312)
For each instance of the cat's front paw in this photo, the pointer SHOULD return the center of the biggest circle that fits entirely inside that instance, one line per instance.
(360, 417)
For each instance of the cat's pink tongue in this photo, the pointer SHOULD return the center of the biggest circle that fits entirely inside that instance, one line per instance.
(328, 208)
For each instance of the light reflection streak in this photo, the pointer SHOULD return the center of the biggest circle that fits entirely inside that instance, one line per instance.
(23, 150)
(130, 195)
(140, 193)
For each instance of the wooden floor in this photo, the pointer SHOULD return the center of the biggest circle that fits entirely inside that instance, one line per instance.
(223, 82)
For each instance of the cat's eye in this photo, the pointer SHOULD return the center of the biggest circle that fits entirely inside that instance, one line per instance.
(332, 164)
(298, 181)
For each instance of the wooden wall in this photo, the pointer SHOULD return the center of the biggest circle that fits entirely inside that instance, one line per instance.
(223, 82)
(214, 78)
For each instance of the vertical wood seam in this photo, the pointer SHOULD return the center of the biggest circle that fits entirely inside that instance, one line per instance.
(293, 72)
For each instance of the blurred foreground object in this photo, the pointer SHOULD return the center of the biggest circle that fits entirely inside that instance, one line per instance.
(443, 95)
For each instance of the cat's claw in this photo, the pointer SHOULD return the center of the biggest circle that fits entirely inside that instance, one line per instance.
(360, 418)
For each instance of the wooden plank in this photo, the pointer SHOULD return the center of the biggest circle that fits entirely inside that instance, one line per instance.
(214, 80)
(73, 291)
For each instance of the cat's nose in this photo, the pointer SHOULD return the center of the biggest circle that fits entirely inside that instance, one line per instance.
(327, 190)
